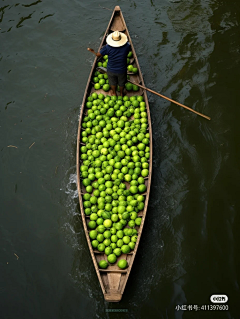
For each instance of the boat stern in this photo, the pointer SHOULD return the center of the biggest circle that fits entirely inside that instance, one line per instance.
(113, 297)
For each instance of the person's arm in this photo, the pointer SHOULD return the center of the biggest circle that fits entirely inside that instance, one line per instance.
(98, 54)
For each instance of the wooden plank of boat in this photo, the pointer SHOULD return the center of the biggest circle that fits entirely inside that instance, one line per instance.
(113, 279)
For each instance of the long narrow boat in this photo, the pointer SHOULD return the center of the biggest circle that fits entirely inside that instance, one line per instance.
(113, 280)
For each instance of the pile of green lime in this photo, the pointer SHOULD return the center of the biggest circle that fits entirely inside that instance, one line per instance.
(131, 87)
(104, 60)
(132, 69)
(115, 156)
(101, 81)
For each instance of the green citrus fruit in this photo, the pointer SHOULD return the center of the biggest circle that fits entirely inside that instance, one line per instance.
(138, 221)
(126, 239)
(119, 243)
(122, 264)
(131, 245)
(125, 249)
(117, 251)
(93, 234)
(107, 234)
(113, 245)
(97, 86)
(112, 258)
(100, 238)
(101, 229)
(95, 243)
(131, 223)
(92, 224)
(101, 247)
(134, 238)
(107, 223)
(108, 250)
(103, 264)
(120, 234)
(114, 238)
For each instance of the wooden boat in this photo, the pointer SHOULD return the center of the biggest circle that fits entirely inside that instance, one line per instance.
(113, 280)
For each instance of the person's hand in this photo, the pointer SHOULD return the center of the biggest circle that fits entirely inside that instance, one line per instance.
(91, 50)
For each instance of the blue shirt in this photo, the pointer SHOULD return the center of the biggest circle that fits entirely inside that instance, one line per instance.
(117, 57)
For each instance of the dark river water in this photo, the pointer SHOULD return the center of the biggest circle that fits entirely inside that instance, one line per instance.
(188, 50)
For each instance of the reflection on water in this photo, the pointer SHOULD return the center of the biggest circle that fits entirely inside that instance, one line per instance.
(10, 15)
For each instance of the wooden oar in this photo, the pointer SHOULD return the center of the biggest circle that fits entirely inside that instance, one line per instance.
(167, 98)
(104, 70)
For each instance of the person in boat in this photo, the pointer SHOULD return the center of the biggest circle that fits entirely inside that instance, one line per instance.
(117, 49)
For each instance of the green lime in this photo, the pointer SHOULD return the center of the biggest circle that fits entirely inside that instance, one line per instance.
(122, 264)
(134, 238)
(133, 189)
(101, 247)
(107, 242)
(114, 238)
(97, 86)
(129, 232)
(119, 243)
(121, 209)
(93, 200)
(113, 230)
(130, 54)
(128, 86)
(101, 229)
(138, 221)
(112, 258)
(99, 221)
(88, 211)
(86, 182)
(129, 209)
(100, 212)
(119, 226)
(108, 207)
(141, 180)
(108, 250)
(100, 238)
(92, 224)
(114, 217)
(107, 234)
(89, 189)
(86, 196)
(125, 249)
(125, 215)
(126, 239)
(131, 223)
(103, 264)
(133, 215)
(87, 204)
(117, 251)
(140, 198)
(93, 234)
(95, 243)
(142, 188)
(134, 232)
(102, 82)
(131, 245)
(120, 234)
(128, 178)
(113, 245)
(130, 67)
(107, 223)
(145, 172)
